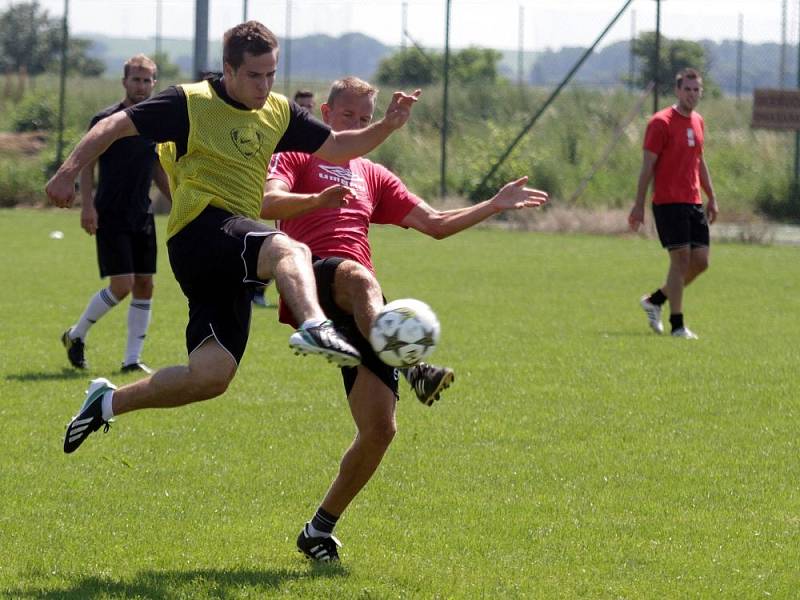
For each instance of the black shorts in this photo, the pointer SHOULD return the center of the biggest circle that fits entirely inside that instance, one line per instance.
(127, 252)
(215, 260)
(324, 271)
(681, 225)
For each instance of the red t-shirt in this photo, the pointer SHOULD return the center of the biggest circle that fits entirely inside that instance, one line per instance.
(380, 198)
(678, 142)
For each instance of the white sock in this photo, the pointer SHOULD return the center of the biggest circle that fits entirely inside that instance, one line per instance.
(102, 302)
(108, 412)
(138, 322)
(311, 323)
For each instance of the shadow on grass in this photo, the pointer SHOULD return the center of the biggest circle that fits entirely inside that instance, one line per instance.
(65, 373)
(216, 583)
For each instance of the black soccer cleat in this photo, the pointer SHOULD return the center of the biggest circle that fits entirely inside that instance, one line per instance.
(428, 381)
(75, 350)
(136, 367)
(320, 549)
(90, 418)
(324, 340)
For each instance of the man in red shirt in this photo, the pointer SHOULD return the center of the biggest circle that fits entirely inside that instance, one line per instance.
(329, 207)
(673, 153)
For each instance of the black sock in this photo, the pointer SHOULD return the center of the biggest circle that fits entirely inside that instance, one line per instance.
(658, 298)
(676, 321)
(324, 521)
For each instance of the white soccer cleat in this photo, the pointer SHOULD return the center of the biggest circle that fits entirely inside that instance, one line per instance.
(653, 312)
(685, 333)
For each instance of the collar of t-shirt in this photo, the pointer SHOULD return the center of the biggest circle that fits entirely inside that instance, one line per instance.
(216, 81)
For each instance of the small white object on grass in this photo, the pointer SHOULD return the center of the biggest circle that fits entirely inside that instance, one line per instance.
(56, 235)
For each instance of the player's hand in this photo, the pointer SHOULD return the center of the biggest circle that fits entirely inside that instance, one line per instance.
(514, 195)
(335, 196)
(89, 219)
(61, 190)
(399, 109)
(636, 217)
(712, 210)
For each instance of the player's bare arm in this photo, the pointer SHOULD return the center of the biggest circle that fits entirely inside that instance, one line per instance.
(162, 181)
(279, 203)
(440, 224)
(636, 216)
(61, 187)
(712, 208)
(88, 211)
(346, 145)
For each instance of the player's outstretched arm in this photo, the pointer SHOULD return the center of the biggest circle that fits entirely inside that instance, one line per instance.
(440, 224)
(280, 203)
(346, 145)
(61, 187)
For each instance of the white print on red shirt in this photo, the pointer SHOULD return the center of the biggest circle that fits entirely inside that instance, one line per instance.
(690, 137)
(342, 176)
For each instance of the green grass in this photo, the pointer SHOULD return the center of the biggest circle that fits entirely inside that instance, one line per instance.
(576, 456)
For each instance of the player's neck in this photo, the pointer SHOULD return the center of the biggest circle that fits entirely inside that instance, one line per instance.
(682, 110)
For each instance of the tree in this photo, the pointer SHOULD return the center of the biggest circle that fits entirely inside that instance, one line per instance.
(416, 67)
(409, 67)
(167, 70)
(31, 42)
(674, 55)
(29, 39)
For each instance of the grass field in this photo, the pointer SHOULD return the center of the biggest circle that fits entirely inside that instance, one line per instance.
(577, 455)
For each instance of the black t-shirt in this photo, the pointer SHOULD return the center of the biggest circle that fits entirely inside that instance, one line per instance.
(165, 118)
(125, 173)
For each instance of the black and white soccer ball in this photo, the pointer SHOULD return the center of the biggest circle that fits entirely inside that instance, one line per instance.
(405, 332)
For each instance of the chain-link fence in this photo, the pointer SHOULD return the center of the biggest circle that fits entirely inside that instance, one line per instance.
(593, 126)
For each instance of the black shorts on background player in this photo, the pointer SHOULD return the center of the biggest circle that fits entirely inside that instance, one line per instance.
(324, 272)
(125, 252)
(680, 225)
(215, 259)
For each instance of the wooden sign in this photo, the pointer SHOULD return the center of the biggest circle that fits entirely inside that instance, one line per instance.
(776, 109)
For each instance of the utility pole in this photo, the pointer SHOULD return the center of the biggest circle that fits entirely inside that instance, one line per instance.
(62, 87)
(632, 56)
(158, 27)
(657, 57)
(782, 66)
(244, 11)
(404, 26)
(200, 60)
(797, 133)
(739, 53)
(445, 107)
(287, 55)
(521, 47)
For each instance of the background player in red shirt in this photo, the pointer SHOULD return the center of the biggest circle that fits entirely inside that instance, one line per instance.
(330, 207)
(673, 153)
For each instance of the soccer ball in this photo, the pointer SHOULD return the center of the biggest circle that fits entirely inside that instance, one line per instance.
(405, 332)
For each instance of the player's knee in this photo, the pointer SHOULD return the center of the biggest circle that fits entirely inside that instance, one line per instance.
(700, 263)
(282, 246)
(212, 383)
(121, 289)
(351, 275)
(143, 289)
(379, 435)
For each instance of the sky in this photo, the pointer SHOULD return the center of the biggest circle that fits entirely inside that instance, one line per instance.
(487, 23)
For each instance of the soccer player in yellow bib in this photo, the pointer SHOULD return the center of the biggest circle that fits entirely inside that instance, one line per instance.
(217, 138)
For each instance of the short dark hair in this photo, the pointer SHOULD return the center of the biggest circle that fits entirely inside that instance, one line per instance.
(303, 94)
(687, 73)
(251, 37)
(140, 61)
